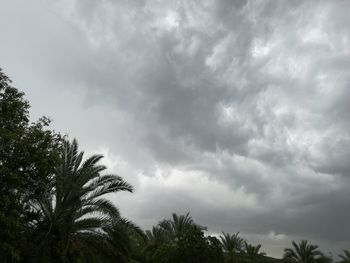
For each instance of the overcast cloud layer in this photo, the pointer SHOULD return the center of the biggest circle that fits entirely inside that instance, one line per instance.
(237, 111)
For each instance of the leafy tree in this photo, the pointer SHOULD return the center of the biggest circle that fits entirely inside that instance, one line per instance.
(164, 253)
(302, 253)
(345, 258)
(28, 153)
(232, 246)
(215, 253)
(193, 247)
(75, 219)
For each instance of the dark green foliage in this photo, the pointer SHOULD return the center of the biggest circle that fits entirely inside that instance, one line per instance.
(157, 241)
(303, 253)
(75, 219)
(345, 258)
(52, 207)
(28, 153)
(181, 240)
(252, 253)
(164, 253)
(324, 259)
(194, 247)
(232, 245)
(178, 225)
(215, 253)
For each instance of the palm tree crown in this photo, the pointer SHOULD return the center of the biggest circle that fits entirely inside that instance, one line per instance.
(231, 243)
(74, 208)
(253, 251)
(178, 225)
(302, 253)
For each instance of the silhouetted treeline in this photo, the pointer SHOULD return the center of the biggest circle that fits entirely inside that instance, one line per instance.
(53, 207)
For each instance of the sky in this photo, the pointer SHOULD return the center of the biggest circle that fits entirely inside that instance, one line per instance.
(234, 111)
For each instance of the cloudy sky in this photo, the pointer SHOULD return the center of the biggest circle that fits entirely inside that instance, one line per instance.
(236, 111)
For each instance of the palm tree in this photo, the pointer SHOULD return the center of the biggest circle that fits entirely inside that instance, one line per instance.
(232, 245)
(346, 257)
(178, 225)
(74, 216)
(156, 236)
(302, 253)
(252, 253)
(113, 244)
(122, 238)
(163, 239)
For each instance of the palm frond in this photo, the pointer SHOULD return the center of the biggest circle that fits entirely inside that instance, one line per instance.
(111, 187)
(75, 217)
(89, 223)
(302, 252)
(101, 205)
(345, 258)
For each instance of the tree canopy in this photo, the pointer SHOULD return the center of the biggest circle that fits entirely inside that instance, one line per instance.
(28, 154)
(54, 207)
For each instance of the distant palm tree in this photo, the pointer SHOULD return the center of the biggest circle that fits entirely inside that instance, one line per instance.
(156, 235)
(253, 252)
(155, 238)
(232, 245)
(178, 225)
(122, 236)
(346, 257)
(75, 219)
(165, 237)
(302, 253)
(113, 244)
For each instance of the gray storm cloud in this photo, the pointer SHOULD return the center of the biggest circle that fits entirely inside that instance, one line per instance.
(237, 111)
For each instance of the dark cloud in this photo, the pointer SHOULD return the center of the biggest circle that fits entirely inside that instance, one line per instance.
(234, 110)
